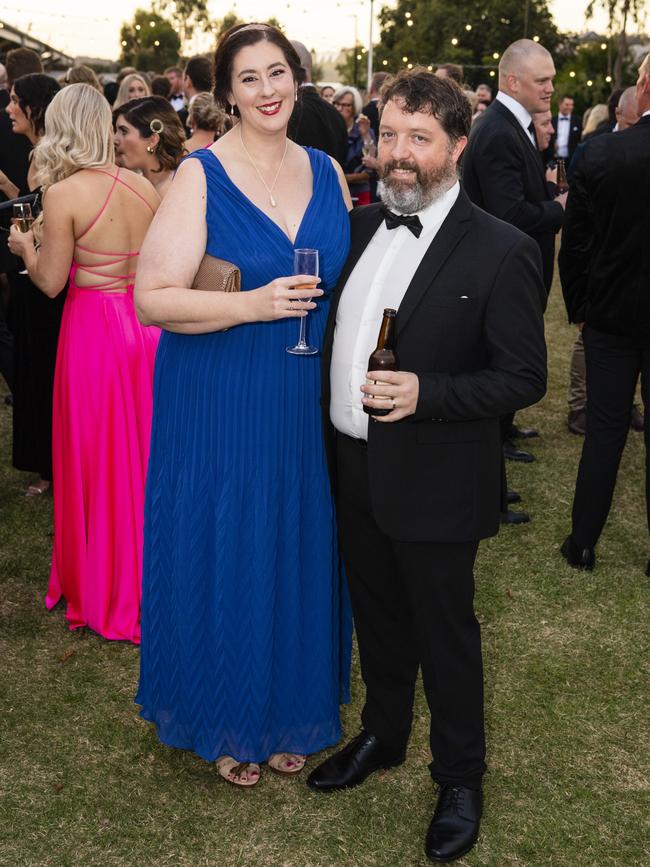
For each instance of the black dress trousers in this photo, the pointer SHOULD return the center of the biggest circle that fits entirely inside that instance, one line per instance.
(413, 607)
(613, 364)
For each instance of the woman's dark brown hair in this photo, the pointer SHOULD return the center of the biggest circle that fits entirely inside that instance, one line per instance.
(35, 92)
(154, 114)
(231, 44)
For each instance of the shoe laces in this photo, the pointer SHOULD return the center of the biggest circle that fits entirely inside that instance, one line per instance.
(452, 797)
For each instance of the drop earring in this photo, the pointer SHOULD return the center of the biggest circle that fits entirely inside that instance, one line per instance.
(149, 149)
(232, 109)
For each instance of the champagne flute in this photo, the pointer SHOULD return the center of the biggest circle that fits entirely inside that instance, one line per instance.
(22, 216)
(305, 261)
(369, 148)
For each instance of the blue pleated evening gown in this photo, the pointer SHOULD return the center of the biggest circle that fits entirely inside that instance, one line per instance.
(245, 626)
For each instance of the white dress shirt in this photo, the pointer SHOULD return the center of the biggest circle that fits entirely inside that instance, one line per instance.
(379, 279)
(522, 115)
(562, 136)
(646, 113)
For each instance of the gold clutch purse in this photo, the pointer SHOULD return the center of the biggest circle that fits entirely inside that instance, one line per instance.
(217, 275)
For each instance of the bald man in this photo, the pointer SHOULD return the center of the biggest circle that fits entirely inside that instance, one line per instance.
(315, 122)
(627, 110)
(504, 175)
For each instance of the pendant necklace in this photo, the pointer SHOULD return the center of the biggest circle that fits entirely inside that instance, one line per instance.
(269, 189)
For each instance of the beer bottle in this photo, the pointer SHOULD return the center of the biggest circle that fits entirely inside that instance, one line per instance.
(561, 182)
(384, 357)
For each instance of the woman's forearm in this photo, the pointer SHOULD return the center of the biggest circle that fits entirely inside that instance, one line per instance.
(192, 311)
(8, 188)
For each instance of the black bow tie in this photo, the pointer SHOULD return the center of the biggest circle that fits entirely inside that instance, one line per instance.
(411, 221)
(564, 117)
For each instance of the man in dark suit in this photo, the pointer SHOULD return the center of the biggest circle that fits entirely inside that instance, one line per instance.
(315, 122)
(567, 130)
(605, 270)
(417, 488)
(503, 173)
(371, 109)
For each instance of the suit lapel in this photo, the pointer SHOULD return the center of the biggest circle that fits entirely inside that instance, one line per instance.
(448, 236)
(529, 148)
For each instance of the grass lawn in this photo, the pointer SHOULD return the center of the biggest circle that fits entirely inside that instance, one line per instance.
(84, 781)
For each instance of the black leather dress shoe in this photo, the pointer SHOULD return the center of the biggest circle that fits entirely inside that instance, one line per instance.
(512, 453)
(522, 433)
(353, 764)
(512, 497)
(454, 828)
(579, 558)
(514, 517)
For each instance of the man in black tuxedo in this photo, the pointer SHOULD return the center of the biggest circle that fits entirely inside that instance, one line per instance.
(504, 174)
(315, 122)
(417, 489)
(567, 131)
(605, 271)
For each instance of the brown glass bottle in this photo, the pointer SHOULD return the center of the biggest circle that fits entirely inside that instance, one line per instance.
(385, 355)
(561, 181)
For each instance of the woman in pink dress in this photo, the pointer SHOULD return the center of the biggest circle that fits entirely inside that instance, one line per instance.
(95, 217)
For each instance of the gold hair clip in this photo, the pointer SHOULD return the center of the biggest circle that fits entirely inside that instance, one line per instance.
(156, 125)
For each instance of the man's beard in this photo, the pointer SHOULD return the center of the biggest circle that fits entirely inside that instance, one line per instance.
(409, 197)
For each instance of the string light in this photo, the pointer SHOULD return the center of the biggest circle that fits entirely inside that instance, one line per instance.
(409, 23)
(535, 38)
(589, 83)
(495, 55)
(608, 78)
(603, 45)
(572, 74)
(468, 27)
(404, 59)
(157, 43)
(385, 62)
(409, 66)
(137, 27)
(454, 41)
(407, 14)
(492, 73)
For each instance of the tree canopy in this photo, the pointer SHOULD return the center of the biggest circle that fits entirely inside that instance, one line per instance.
(149, 42)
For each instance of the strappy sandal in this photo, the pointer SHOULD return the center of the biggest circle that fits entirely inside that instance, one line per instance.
(232, 771)
(286, 764)
(37, 488)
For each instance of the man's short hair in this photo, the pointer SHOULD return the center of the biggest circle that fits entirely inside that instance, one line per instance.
(421, 90)
(377, 81)
(161, 86)
(175, 69)
(199, 71)
(453, 70)
(566, 96)
(22, 61)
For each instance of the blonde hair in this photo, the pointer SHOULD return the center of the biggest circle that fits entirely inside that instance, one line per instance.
(597, 115)
(78, 134)
(205, 114)
(123, 92)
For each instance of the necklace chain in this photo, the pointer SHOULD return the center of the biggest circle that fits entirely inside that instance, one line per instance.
(269, 189)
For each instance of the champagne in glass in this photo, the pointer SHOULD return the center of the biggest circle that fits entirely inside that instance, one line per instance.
(22, 216)
(305, 261)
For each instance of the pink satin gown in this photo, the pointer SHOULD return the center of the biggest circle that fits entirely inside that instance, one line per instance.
(101, 426)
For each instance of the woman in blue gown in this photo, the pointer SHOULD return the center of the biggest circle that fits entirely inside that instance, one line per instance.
(245, 638)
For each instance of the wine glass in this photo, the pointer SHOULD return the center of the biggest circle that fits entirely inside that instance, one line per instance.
(305, 261)
(22, 216)
(369, 148)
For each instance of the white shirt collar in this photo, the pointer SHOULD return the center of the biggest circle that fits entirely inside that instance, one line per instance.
(517, 109)
(646, 113)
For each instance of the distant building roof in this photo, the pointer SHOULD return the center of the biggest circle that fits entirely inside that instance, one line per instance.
(12, 37)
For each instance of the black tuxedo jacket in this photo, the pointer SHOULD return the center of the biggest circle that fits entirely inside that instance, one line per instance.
(605, 254)
(471, 327)
(315, 123)
(503, 173)
(575, 134)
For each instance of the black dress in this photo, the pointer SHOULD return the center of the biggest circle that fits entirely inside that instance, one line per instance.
(35, 322)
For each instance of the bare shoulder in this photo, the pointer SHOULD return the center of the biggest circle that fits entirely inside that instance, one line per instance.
(343, 183)
(141, 186)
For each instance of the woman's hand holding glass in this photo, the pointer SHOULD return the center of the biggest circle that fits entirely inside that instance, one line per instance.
(278, 299)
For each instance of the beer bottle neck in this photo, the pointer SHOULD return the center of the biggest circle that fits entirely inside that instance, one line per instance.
(386, 339)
